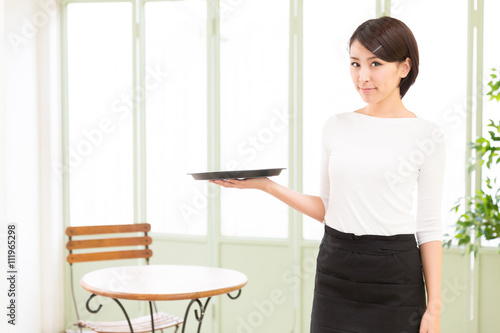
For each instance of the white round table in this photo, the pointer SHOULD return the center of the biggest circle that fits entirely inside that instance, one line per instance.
(163, 283)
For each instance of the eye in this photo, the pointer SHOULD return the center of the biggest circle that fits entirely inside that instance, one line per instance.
(354, 64)
(376, 63)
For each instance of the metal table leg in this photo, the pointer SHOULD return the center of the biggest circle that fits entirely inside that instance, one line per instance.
(199, 317)
(87, 305)
(203, 308)
(152, 318)
(234, 297)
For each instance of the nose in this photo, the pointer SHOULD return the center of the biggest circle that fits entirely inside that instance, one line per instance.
(364, 75)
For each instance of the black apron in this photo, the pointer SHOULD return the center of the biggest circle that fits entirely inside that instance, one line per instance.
(368, 284)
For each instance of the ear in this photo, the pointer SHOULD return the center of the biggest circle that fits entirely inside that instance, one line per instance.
(405, 67)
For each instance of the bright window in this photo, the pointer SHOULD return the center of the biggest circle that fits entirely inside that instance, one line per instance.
(254, 109)
(176, 115)
(254, 104)
(100, 113)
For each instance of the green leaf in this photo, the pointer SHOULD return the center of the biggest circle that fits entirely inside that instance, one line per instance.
(494, 86)
(455, 208)
(492, 124)
(493, 136)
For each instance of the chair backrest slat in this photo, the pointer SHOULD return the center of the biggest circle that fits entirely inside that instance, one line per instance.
(108, 236)
(111, 255)
(108, 242)
(107, 229)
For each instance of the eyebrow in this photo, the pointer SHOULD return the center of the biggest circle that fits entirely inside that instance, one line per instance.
(374, 57)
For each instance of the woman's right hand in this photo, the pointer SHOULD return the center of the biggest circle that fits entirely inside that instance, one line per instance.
(252, 183)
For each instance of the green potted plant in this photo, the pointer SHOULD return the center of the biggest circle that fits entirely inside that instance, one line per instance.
(482, 217)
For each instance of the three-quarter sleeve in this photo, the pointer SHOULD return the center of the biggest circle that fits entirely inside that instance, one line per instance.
(430, 187)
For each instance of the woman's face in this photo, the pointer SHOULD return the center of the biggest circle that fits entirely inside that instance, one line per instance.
(374, 79)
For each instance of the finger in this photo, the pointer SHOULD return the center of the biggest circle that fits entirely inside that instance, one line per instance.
(237, 181)
(232, 183)
(223, 182)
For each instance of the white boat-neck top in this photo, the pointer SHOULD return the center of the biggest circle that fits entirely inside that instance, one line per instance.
(373, 167)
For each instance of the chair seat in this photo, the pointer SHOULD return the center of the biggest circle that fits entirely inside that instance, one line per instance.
(141, 324)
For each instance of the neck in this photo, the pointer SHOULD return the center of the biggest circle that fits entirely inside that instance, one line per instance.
(390, 106)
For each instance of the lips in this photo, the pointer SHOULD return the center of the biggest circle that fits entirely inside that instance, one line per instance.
(366, 90)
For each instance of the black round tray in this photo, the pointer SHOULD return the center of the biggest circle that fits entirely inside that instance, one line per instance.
(236, 174)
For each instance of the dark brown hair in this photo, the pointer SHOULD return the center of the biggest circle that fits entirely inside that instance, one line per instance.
(392, 41)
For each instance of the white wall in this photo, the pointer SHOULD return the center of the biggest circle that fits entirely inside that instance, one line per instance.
(31, 138)
(3, 179)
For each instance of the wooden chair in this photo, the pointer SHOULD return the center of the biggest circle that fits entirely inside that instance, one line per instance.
(93, 252)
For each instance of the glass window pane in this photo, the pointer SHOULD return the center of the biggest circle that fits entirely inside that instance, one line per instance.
(100, 121)
(491, 59)
(328, 90)
(176, 115)
(254, 108)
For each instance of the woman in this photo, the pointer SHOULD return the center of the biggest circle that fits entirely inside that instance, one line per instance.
(374, 254)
